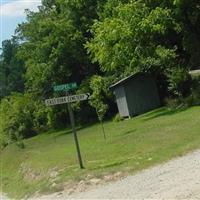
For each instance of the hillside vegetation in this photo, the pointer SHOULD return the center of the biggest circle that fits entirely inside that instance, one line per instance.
(94, 44)
(48, 162)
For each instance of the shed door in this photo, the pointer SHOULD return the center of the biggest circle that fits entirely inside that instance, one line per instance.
(121, 101)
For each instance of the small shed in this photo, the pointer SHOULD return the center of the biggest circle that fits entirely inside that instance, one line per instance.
(136, 94)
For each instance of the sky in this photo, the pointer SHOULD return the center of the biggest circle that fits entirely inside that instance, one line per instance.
(12, 13)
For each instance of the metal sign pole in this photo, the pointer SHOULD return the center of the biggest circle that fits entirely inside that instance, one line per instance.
(71, 115)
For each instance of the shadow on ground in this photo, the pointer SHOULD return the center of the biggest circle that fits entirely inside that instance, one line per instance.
(161, 112)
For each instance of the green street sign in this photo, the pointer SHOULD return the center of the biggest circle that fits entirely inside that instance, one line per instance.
(65, 87)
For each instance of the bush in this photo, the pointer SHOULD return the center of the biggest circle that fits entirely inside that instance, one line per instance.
(180, 82)
(16, 118)
(43, 117)
(194, 98)
(174, 103)
(117, 118)
(191, 100)
(21, 117)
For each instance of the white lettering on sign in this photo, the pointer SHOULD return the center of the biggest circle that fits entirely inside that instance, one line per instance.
(67, 99)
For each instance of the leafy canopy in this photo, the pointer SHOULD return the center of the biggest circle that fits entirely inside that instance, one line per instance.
(133, 39)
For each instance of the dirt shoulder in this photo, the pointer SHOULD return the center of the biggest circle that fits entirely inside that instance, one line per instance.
(3, 197)
(176, 179)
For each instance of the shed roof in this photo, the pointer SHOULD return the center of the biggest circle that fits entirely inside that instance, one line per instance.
(124, 80)
(197, 71)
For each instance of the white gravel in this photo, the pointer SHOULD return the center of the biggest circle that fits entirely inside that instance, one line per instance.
(3, 197)
(176, 179)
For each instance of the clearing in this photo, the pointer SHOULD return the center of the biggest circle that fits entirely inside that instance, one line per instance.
(49, 162)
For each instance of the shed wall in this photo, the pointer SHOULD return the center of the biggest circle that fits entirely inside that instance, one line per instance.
(121, 101)
(142, 95)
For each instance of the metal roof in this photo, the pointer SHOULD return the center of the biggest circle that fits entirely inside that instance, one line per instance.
(124, 80)
(195, 71)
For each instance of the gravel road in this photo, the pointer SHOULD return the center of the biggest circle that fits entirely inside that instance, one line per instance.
(176, 179)
(3, 197)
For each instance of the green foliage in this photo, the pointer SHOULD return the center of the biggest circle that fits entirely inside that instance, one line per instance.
(148, 36)
(192, 98)
(53, 44)
(173, 103)
(16, 117)
(117, 118)
(133, 39)
(22, 117)
(94, 43)
(187, 13)
(100, 90)
(43, 117)
(108, 8)
(11, 69)
(180, 82)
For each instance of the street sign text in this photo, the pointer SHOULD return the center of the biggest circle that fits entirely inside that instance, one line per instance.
(65, 87)
(67, 99)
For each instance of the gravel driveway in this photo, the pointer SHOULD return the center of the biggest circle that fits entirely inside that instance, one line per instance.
(3, 197)
(176, 179)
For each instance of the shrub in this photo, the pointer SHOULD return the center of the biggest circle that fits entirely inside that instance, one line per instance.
(174, 103)
(22, 117)
(43, 117)
(117, 118)
(194, 97)
(99, 87)
(16, 117)
(191, 100)
(180, 82)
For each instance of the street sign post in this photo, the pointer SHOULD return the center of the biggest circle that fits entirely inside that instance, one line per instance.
(71, 115)
(65, 87)
(69, 100)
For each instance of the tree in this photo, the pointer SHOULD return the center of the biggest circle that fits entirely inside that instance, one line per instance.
(53, 43)
(53, 46)
(133, 39)
(188, 15)
(11, 69)
(22, 117)
(100, 90)
(148, 36)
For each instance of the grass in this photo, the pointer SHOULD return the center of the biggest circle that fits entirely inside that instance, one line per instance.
(131, 145)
